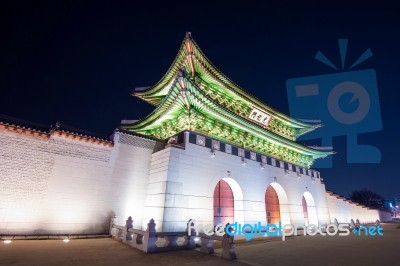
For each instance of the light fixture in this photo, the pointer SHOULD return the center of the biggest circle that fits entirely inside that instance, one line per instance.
(7, 241)
(286, 172)
(66, 240)
(212, 153)
(244, 162)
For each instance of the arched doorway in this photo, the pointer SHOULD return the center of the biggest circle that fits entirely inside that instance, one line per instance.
(309, 209)
(305, 211)
(272, 207)
(223, 203)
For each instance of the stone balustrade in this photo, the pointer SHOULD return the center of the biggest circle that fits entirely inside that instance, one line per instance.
(151, 241)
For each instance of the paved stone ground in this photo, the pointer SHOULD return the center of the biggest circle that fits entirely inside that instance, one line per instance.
(326, 250)
(302, 250)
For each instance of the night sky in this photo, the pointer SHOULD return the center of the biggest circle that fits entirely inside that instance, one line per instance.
(77, 62)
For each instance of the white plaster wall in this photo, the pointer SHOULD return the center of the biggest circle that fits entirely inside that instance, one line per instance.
(156, 188)
(130, 163)
(344, 211)
(188, 179)
(64, 186)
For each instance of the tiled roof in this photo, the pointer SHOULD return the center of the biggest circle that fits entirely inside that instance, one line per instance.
(12, 121)
(9, 121)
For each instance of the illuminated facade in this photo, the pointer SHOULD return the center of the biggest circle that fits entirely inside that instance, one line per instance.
(209, 151)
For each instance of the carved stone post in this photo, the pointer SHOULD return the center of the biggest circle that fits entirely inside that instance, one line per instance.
(352, 224)
(191, 244)
(207, 245)
(228, 247)
(128, 225)
(112, 222)
(150, 237)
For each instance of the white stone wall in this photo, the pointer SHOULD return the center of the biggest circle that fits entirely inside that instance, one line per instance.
(156, 193)
(186, 178)
(344, 211)
(65, 186)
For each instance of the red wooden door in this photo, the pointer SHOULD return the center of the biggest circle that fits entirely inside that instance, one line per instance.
(272, 208)
(223, 203)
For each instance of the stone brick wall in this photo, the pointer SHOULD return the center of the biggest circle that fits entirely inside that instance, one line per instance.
(25, 170)
(62, 186)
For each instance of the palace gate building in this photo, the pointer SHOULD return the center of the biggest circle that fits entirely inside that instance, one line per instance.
(209, 151)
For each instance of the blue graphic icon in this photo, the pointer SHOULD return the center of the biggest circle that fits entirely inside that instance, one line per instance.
(346, 103)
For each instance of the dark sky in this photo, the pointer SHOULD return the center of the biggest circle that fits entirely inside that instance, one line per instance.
(77, 62)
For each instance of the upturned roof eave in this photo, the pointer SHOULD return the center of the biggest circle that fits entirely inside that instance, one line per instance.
(168, 76)
(230, 117)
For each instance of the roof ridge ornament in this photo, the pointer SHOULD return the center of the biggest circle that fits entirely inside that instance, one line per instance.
(183, 85)
(189, 52)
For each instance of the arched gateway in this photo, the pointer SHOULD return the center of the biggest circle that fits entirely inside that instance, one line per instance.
(223, 203)
(309, 209)
(272, 208)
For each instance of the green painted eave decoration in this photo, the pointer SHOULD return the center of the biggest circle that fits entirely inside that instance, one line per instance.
(209, 117)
